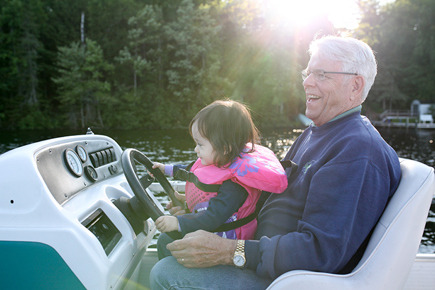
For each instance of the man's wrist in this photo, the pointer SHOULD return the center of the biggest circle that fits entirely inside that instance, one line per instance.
(231, 250)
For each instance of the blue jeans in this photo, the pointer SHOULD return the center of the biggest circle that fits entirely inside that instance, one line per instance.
(169, 274)
(163, 240)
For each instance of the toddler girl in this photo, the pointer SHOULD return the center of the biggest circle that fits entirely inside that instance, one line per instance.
(225, 182)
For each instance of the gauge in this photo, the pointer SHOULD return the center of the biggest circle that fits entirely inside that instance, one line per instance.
(73, 162)
(82, 153)
(91, 173)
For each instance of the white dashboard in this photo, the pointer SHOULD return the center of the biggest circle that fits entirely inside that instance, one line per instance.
(57, 204)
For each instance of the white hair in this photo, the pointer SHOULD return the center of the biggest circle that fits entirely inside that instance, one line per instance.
(354, 55)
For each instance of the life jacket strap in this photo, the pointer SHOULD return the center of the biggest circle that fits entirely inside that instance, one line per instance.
(288, 163)
(186, 175)
(237, 224)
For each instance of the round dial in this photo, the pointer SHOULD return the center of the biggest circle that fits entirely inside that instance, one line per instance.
(239, 260)
(91, 173)
(73, 162)
(82, 153)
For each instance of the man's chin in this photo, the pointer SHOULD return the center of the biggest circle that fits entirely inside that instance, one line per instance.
(309, 114)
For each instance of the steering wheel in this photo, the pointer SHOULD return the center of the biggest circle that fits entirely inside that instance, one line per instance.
(151, 205)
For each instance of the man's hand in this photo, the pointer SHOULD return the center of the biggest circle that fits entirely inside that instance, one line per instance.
(202, 249)
(167, 224)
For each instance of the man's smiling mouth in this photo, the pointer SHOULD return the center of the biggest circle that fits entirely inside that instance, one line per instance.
(312, 98)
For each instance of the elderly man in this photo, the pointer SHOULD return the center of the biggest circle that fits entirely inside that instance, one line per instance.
(346, 175)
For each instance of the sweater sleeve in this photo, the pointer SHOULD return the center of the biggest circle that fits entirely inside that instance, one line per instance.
(229, 199)
(171, 170)
(340, 211)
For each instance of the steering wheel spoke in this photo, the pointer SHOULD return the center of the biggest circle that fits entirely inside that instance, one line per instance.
(146, 181)
(150, 204)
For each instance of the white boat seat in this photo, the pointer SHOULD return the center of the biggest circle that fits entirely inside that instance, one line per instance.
(391, 251)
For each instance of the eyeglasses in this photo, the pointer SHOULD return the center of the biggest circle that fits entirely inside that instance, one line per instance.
(319, 74)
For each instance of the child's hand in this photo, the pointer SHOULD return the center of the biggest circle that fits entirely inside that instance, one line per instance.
(167, 224)
(159, 166)
(176, 210)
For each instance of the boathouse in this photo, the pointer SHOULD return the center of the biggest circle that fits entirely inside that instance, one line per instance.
(419, 116)
(423, 111)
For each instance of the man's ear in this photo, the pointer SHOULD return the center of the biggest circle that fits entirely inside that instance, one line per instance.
(357, 86)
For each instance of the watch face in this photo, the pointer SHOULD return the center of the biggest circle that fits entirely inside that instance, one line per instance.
(239, 260)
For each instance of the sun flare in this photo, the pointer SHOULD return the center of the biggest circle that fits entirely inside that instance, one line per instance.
(342, 13)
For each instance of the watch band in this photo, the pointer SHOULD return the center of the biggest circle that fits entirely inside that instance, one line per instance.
(240, 248)
(239, 259)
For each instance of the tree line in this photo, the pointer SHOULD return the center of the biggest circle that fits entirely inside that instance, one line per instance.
(155, 63)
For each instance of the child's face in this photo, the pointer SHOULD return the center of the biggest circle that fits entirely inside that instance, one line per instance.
(203, 148)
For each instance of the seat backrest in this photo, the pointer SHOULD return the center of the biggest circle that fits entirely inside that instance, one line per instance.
(393, 246)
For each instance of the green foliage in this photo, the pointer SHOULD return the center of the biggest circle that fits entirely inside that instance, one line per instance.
(81, 84)
(155, 63)
(142, 52)
(21, 23)
(402, 35)
(193, 66)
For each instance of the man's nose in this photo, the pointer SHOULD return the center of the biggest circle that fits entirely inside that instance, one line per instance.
(309, 81)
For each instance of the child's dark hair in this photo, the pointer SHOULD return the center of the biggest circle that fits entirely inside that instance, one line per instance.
(228, 126)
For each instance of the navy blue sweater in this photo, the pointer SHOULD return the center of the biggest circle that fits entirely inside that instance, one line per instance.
(346, 175)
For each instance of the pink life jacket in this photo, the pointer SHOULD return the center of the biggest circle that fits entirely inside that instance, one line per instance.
(255, 171)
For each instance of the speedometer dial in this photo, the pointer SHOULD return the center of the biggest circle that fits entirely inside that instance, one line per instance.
(73, 162)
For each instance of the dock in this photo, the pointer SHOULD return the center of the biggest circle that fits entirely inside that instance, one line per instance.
(405, 119)
(404, 124)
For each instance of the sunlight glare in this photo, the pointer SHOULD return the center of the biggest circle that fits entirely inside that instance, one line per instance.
(342, 13)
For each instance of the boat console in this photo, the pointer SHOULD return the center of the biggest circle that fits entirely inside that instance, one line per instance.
(61, 222)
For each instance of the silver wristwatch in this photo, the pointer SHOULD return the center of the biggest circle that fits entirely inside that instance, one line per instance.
(239, 255)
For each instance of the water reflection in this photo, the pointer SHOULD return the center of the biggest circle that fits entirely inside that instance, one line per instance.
(413, 144)
(416, 144)
(160, 146)
(428, 240)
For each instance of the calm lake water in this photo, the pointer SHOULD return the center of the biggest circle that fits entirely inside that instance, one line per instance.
(176, 146)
